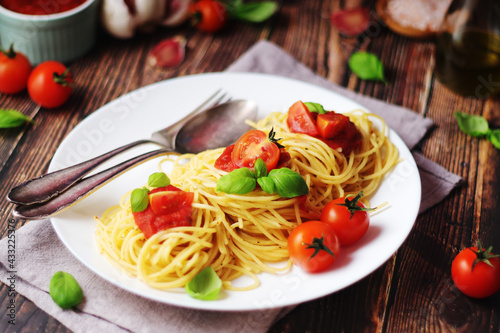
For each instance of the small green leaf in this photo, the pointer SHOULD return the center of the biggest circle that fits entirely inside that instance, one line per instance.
(475, 126)
(12, 118)
(315, 107)
(158, 179)
(139, 200)
(288, 183)
(206, 285)
(367, 66)
(494, 137)
(254, 12)
(239, 181)
(65, 290)
(260, 168)
(267, 184)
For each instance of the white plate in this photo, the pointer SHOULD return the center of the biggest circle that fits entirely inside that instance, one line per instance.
(139, 113)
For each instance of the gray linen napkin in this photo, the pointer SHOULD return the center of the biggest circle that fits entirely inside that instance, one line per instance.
(106, 308)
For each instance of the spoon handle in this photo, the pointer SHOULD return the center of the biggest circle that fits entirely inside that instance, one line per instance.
(45, 187)
(81, 189)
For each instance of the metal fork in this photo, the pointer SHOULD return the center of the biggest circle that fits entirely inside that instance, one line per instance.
(45, 187)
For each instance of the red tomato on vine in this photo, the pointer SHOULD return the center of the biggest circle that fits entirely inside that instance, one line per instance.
(50, 84)
(348, 217)
(314, 246)
(475, 272)
(15, 69)
(209, 15)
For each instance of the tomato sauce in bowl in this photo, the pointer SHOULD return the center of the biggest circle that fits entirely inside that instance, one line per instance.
(40, 7)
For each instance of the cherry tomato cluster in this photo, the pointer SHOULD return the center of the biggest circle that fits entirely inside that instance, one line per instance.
(315, 245)
(49, 84)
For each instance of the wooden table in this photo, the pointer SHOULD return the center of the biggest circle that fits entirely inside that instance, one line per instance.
(412, 291)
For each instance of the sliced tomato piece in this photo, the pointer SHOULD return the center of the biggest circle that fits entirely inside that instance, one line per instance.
(331, 124)
(301, 120)
(252, 146)
(348, 141)
(168, 202)
(351, 22)
(224, 161)
(174, 207)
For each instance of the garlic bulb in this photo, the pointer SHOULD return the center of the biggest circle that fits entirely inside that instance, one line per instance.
(122, 18)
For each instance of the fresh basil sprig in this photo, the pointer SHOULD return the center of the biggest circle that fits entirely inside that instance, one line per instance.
(477, 126)
(139, 198)
(206, 285)
(158, 179)
(367, 66)
(65, 290)
(13, 118)
(254, 12)
(285, 182)
(315, 107)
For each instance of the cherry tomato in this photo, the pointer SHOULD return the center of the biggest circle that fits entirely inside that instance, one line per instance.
(167, 202)
(15, 69)
(478, 280)
(169, 215)
(253, 145)
(300, 120)
(224, 161)
(351, 22)
(314, 246)
(331, 124)
(208, 15)
(50, 84)
(349, 228)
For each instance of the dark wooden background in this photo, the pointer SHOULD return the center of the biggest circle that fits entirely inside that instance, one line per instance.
(413, 291)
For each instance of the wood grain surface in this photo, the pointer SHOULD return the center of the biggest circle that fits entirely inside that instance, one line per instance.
(411, 292)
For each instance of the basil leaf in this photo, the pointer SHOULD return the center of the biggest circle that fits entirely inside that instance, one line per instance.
(288, 183)
(65, 290)
(139, 200)
(239, 181)
(494, 137)
(12, 118)
(475, 126)
(260, 168)
(367, 66)
(255, 12)
(206, 285)
(315, 107)
(158, 179)
(267, 184)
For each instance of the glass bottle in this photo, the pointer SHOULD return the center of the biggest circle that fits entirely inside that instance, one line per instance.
(468, 48)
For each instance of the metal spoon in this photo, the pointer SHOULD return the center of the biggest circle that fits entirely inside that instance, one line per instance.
(217, 127)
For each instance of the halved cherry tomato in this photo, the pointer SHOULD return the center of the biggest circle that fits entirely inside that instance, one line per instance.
(351, 22)
(331, 124)
(314, 246)
(349, 228)
(300, 120)
(15, 69)
(339, 132)
(252, 146)
(473, 276)
(224, 161)
(208, 15)
(168, 202)
(174, 214)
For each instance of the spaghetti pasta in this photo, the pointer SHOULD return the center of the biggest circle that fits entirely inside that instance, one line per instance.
(243, 235)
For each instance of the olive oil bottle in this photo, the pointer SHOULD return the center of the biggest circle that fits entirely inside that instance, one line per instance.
(468, 48)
